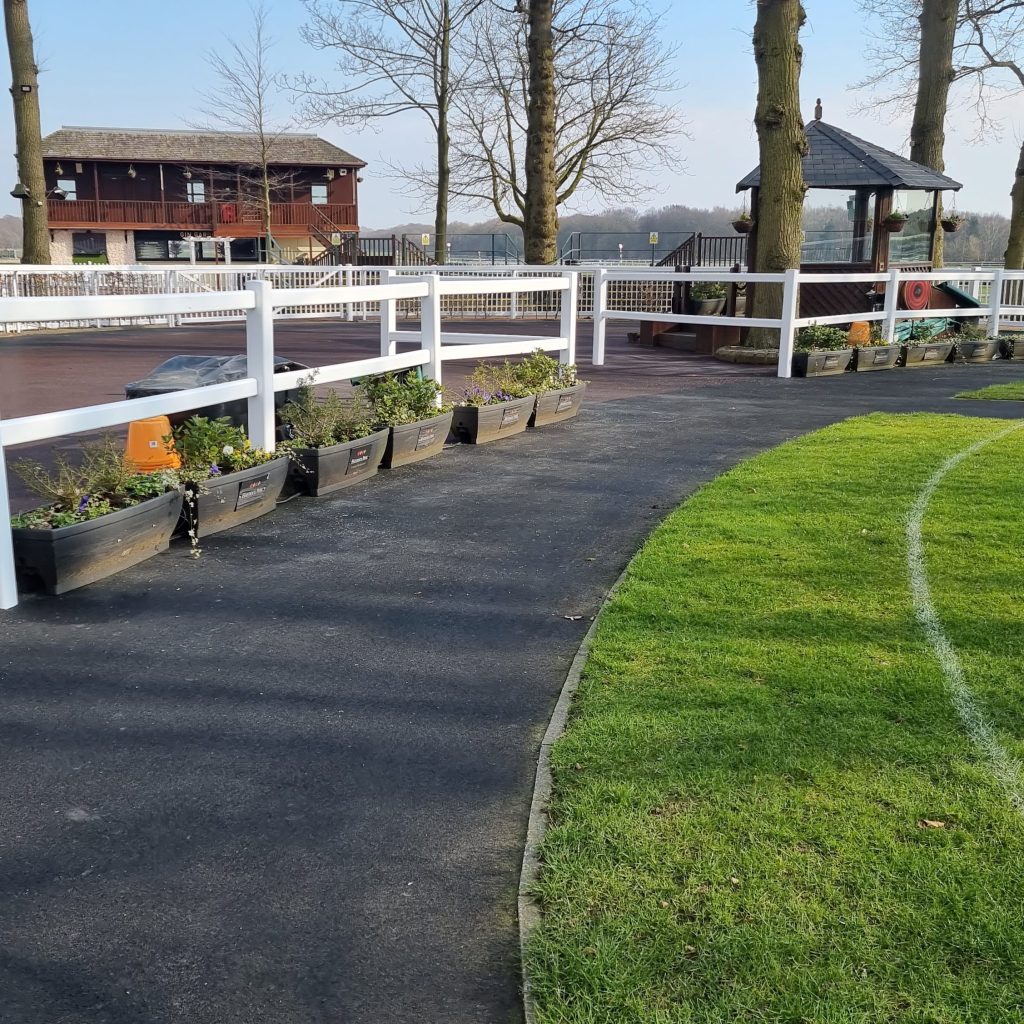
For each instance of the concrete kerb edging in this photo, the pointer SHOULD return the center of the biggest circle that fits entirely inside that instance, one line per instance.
(529, 909)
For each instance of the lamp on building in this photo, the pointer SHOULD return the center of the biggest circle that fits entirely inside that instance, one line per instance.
(329, 174)
(58, 193)
(131, 171)
(359, 177)
(188, 174)
(58, 169)
(21, 191)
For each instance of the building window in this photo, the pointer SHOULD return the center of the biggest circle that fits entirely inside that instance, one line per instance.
(68, 186)
(86, 243)
(319, 197)
(195, 191)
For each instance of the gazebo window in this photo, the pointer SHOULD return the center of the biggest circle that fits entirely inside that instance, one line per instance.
(914, 243)
(838, 227)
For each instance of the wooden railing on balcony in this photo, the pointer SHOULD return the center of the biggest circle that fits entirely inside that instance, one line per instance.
(201, 216)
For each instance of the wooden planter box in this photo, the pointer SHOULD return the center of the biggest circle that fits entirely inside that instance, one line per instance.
(821, 363)
(875, 357)
(72, 556)
(235, 498)
(479, 424)
(926, 353)
(320, 471)
(413, 442)
(978, 351)
(555, 406)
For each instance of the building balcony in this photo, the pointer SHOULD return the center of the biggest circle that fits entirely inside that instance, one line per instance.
(218, 218)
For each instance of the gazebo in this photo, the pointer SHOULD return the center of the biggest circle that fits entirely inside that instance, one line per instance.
(877, 183)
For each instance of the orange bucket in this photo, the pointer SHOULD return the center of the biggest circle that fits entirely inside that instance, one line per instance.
(860, 333)
(146, 449)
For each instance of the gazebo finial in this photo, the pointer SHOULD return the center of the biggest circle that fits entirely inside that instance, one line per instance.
(818, 112)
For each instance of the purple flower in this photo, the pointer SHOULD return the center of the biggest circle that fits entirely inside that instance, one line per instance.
(83, 504)
(214, 469)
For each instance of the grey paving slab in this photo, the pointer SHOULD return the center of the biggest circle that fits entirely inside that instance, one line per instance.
(289, 782)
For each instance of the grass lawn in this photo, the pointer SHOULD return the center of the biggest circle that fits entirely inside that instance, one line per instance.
(1012, 390)
(766, 808)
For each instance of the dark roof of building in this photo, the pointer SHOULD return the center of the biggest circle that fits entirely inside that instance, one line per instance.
(837, 159)
(144, 144)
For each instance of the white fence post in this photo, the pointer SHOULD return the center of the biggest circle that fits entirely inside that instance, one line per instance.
(787, 329)
(430, 328)
(995, 303)
(567, 327)
(259, 356)
(347, 281)
(8, 579)
(388, 317)
(892, 303)
(600, 324)
(169, 288)
(513, 305)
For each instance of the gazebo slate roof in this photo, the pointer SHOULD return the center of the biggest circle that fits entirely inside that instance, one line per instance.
(144, 144)
(837, 159)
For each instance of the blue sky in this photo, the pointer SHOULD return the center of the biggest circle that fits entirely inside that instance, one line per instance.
(141, 65)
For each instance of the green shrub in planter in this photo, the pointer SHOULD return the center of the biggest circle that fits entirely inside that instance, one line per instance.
(407, 406)
(704, 291)
(335, 440)
(821, 338)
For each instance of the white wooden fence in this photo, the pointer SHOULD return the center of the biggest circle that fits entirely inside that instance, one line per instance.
(261, 304)
(1005, 289)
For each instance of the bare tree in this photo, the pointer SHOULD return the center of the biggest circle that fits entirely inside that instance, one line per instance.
(782, 146)
(915, 53)
(587, 130)
(25, 92)
(987, 51)
(393, 57)
(243, 101)
(993, 48)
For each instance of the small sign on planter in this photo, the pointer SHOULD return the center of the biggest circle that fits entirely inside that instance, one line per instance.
(425, 438)
(252, 491)
(509, 418)
(564, 403)
(358, 458)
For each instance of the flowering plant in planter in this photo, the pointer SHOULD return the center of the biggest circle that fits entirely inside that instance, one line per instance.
(225, 480)
(821, 338)
(101, 515)
(103, 481)
(208, 448)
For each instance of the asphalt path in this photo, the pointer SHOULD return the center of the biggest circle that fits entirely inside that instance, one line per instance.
(289, 782)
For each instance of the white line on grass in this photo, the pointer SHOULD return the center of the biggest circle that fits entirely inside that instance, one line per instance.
(1006, 768)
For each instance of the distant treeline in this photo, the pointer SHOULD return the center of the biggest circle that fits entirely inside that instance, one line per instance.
(982, 239)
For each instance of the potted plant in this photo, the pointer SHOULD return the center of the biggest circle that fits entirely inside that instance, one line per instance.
(228, 481)
(821, 351)
(974, 346)
(922, 347)
(875, 353)
(334, 440)
(952, 221)
(408, 406)
(707, 298)
(558, 389)
(895, 221)
(744, 223)
(495, 404)
(99, 516)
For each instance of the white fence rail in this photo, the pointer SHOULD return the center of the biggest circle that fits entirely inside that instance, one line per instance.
(261, 304)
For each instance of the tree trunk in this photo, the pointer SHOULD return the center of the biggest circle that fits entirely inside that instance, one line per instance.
(265, 212)
(782, 144)
(1013, 259)
(935, 75)
(540, 216)
(28, 137)
(444, 170)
